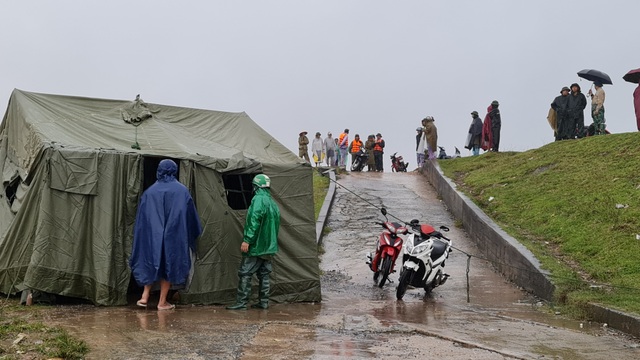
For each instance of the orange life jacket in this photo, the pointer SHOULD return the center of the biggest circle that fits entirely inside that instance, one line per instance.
(340, 140)
(378, 146)
(356, 145)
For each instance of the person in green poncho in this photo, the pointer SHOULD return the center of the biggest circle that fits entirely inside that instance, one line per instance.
(259, 244)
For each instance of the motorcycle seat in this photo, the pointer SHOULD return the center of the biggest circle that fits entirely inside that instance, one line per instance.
(438, 249)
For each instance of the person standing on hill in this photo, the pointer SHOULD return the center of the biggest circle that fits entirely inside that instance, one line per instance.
(560, 104)
(431, 135)
(378, 151)
(330, 150)
(165, 231)
(636, 105)
(317, 149)
(597, 108)
(343, 144)
(496, 124)
(577, 103)
(475, 131)
(303, 150)
(259, 245)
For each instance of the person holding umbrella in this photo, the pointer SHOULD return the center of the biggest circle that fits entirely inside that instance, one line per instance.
(597, 108)
(597, 100)
(633, 76)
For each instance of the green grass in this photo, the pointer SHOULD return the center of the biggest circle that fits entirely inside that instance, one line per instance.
(38, 340)
(320, 186)
(560, 201)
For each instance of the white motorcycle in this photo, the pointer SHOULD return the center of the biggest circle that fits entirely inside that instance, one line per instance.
(425, 252)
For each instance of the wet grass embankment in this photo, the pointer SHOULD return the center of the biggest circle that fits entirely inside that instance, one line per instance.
(574, 204)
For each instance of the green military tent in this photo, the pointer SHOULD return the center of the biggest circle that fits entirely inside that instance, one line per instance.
(73, 170)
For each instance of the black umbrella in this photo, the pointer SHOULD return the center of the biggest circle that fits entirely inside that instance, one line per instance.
(595, 76)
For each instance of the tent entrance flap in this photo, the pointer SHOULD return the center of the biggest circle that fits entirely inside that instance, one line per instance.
(150, 168)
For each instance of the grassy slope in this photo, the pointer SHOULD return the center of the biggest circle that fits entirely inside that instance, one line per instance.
(320, 186)
(560, 201)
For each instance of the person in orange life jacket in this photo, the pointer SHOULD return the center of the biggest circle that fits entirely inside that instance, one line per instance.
(378, 151)
(354, 147)
(343, 144)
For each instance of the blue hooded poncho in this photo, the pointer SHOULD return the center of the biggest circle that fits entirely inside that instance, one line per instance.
(167, 226)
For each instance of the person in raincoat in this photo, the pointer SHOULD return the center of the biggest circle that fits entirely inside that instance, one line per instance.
(597, 108)
(303, 149)
(419, 151)
(577, 103)
(431, 136)
(317, 149)
(259, 244)
(165, 231)
(495, 125)
(636, 105)
(368, 145)
(330, 150)
(566, 126)
(475, 133)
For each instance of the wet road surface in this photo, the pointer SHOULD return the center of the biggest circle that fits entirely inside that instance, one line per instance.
(357, 320)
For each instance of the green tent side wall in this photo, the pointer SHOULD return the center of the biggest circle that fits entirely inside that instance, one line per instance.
(68, 227)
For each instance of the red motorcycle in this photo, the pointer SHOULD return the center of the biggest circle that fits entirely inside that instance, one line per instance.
(388, 247)
(397, 163)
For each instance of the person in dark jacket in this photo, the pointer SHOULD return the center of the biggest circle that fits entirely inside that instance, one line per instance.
(475, 132)
(564, 119)
(259, 244)
(166, 228)
(496, 125)
(378, 151)
(419, 153)
(577, 104)
(368, 145)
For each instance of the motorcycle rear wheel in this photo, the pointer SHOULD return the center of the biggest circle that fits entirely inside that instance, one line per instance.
(403, 283)
(386, 270)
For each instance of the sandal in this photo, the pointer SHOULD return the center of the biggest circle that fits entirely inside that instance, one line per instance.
(141, 304)
(171, 307)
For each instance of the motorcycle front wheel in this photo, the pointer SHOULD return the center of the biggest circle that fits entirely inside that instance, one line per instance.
(387, 262)
(356, 165)
(403, 283)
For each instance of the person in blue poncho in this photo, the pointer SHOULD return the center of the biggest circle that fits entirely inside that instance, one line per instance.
(259, 244)
(167, 226)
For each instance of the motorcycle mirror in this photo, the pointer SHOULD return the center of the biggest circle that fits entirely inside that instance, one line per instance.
(444, 228)
(383, 211)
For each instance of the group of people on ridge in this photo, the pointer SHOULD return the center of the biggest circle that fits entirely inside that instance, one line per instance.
(334, 151)
(566, 115)
(485, 135)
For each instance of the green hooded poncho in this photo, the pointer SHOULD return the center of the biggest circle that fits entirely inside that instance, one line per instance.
(262, 225)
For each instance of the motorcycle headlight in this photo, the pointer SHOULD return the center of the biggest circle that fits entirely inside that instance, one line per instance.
(420, 248)
(408, 246)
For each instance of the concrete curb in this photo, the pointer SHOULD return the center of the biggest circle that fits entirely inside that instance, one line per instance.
(326, 207)
(524, 269)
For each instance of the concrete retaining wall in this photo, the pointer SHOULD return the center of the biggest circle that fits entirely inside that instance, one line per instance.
(522, 268)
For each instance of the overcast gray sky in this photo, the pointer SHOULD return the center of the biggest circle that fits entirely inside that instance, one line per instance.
(369, 65)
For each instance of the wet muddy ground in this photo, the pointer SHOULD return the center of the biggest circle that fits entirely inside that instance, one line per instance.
(357, 320)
